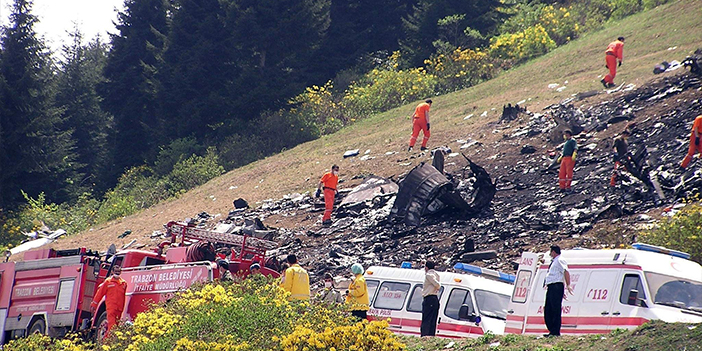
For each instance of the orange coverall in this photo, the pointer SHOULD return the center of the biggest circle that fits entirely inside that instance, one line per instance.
(114, 291)
(615, 50)
(696, 126)
(329, 182)
(419, 122)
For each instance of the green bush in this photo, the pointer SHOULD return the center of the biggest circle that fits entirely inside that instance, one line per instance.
(681, 232)
(624, 8)
(175, 152)
(460, 69)
(194, 170)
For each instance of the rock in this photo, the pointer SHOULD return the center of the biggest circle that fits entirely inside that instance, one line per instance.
(240, 203)
(527, 149)
(351, 153)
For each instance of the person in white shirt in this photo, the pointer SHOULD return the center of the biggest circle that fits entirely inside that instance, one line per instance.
(555, 291)
(430, 303)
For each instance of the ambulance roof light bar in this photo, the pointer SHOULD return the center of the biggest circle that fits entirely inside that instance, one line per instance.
(660, 249)
(469, 268)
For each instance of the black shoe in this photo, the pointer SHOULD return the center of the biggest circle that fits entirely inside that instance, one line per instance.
(603, 83)
(409, 149)
(611, 85)
(425, 149)
(327, 223)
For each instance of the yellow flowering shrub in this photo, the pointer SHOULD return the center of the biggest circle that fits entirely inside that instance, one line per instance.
(360, 336)
(460, 68)
(38, 342)
(681, 232)
(516, 47)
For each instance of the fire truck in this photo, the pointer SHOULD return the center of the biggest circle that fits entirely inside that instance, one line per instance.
(50, 291)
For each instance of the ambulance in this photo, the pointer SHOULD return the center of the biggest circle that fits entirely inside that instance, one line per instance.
(470, 303)
(611, 289)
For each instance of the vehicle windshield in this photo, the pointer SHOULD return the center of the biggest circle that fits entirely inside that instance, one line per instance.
(492, 304)
(674, 291)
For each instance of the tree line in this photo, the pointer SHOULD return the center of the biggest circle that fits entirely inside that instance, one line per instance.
(180, 77)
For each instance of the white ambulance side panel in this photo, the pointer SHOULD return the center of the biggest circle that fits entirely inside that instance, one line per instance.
(600, 292)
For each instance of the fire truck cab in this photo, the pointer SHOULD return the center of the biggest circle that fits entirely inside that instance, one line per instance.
(612, 289)
(469, 304)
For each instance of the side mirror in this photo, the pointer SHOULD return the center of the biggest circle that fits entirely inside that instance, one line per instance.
(633, 297)
(464, 313)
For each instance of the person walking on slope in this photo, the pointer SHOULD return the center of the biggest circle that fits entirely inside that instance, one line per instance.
(614, 52)
(430, 302)
(621, 155)
(328, 182)
(114, 290)
(567, 161)
(555, 291)
(296, 281)
(420, 121)
(357, 295)
(695, 144)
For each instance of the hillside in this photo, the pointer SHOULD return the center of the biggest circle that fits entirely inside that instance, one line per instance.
(666, 33)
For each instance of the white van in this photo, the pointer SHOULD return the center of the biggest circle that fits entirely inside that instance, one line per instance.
(612, 289)
(469, 304)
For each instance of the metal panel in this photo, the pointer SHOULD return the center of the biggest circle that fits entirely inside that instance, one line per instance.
(47, 263)
(65, 295)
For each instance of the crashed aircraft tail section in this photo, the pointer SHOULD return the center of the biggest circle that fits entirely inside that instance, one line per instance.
(425, 191)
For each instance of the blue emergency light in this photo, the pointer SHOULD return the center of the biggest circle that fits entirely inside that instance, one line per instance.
(469, 268)
(659, 249)
(406, 264)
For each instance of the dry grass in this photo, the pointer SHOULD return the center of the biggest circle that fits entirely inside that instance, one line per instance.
(581, 63)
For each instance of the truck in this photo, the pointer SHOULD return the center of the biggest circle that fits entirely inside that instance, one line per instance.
(617, 288)
(50, 291)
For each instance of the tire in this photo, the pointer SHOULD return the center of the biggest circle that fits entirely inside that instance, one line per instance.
(101, 327)
(37, 327)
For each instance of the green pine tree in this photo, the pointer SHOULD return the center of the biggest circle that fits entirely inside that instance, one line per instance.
(36, 148)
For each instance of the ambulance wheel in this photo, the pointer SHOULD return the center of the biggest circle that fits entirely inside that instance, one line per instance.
(37, 327)
(101, 327)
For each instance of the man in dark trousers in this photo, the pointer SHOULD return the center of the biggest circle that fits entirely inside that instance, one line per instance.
(430, 304)
(621, 155)
(555, 293)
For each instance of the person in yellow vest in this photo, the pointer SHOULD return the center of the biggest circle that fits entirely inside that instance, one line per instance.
(357, 295)
(296, 281)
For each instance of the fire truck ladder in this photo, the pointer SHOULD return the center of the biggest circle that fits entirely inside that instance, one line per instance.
(189, 235)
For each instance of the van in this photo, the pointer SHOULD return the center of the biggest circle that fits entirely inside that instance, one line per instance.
(611, 289)
(469, 304)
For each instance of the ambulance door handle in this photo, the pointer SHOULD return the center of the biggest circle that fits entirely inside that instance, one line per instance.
(510, 311)
(616, 313)
(604, 313)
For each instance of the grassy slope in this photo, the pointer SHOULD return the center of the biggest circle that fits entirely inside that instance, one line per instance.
(581, 63)
(655, 336)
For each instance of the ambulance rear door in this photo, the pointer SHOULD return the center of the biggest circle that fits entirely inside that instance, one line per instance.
(517, 308)
(390, 301)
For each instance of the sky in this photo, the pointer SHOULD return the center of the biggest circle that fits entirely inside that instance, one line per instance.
(57, 17)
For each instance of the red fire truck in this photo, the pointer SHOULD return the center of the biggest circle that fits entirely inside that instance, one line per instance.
(50, 291)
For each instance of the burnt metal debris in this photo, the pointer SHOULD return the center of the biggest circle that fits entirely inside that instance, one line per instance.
(493, 211)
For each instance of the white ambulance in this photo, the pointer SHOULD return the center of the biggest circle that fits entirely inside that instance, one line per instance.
(469, 304)
(612, 289)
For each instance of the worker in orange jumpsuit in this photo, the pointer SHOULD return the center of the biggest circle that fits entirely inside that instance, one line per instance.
(615, 51)
(567, 160)
(695, 144)
(114, 290)
(328, 183)
(420, 121)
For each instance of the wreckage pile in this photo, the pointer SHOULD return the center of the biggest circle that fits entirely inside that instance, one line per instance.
(509, 204)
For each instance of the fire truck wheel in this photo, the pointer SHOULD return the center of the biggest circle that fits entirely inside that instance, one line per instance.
(101, 326)
(37, 327)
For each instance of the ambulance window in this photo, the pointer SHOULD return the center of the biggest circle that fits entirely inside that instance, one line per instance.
(631, 282)
(492, 304)
(372, 287)
(521, 286)
(391, 295)
(458, 298)
(415, 302)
